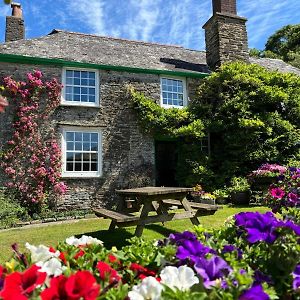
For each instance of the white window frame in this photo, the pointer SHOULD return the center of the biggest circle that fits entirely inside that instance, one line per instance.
(78, 103)
(185, 96)
(80, 174)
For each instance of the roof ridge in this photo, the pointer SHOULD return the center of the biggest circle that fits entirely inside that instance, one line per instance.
(122, 39)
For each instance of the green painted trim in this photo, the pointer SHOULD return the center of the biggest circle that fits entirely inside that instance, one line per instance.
(20, 59)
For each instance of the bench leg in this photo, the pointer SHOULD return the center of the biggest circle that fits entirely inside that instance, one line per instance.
(112, 225)
(144, 213)
(187, 207)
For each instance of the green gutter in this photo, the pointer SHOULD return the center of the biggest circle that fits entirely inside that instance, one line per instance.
(20, 59)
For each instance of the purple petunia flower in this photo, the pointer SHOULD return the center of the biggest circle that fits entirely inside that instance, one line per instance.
(256, 292)
(179, 238)
(260, 227)
(231, 248)
(260, 277)
(263, 227)
(296, 276)
(212, 270)
(192, 250)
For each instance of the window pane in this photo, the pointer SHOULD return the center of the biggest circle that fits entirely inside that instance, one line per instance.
(84, 90)
(78, 156)
(76, 81)
(86, 146)
(86, 166)
(92, 82)
(69, 97)
(70, 136)
(86, 156)
(94, 137)
(69, 81)
(84, 81)
(94, 147)
(84, 98)
(70, 167)
(94, 157)
(92, 75)
(76, 90)
(78, 136)
(84, 74)
(76, 97)
(70, 156)
(77, 74)
(78, 167)
(86, 137)
(92, 99)
(94, 167)
(92, 91)
(69, 73)
(78, 146)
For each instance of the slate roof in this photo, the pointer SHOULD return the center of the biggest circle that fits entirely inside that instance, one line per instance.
(94, 49)
(87, 48)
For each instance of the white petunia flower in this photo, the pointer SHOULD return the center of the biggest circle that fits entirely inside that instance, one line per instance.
(40, 253)
(182, 278)
(149, 289)
(52, 267)
(84, 240)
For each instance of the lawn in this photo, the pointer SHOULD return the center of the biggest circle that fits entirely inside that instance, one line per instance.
(53, 233)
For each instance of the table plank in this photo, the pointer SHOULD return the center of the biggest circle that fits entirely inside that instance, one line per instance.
(151, 190)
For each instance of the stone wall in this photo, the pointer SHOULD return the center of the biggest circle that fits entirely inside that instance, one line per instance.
(226, 39)
(15, 29)
(127, 153)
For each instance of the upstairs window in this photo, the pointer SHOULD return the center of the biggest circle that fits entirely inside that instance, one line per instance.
(81, 87)
(173, 92)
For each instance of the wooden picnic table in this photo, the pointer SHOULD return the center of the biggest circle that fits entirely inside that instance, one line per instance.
(159, 200)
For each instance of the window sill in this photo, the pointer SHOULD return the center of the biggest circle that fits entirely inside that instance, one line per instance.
(80, 104)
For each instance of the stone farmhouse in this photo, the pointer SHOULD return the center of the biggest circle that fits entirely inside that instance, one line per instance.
(103, 147)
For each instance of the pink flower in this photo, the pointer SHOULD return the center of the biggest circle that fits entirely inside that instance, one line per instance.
(3, 103)
(277, 193)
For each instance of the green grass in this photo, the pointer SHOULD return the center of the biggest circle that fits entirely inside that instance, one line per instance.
(52, 233)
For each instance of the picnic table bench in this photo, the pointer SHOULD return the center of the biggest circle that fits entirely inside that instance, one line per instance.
(157, 199)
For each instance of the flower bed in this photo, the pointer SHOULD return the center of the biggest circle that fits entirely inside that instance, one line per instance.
(239, 261)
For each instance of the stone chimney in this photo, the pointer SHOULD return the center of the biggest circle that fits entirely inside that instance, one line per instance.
(225, 35)
(15, 29)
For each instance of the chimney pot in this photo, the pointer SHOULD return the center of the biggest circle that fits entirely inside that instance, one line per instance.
(17, 10)
(224, 6)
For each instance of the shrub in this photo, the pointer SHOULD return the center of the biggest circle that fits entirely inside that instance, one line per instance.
(10, 211)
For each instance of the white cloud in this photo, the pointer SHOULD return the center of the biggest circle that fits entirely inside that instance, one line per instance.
(142, 23)
(90, 13)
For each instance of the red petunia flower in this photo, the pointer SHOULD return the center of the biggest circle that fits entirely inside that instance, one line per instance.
(56, 289)
(107, 272)
(79, 254)
(61, 256)
(81, 285)
(141, 271)
(19, 286)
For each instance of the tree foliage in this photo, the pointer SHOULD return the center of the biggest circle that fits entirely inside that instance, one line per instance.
(283, 44)
(252, 114)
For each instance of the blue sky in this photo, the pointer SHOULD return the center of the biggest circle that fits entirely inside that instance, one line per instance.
(164, 21)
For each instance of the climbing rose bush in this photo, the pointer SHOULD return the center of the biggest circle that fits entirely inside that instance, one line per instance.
(239, 261)
(32, 158)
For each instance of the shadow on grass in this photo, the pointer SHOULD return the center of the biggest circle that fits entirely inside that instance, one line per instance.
(119, 236)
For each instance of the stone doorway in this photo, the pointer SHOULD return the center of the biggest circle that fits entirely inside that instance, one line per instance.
(166, 156)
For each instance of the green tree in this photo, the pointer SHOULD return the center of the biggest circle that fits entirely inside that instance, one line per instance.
(285, 43)
(253, 116)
